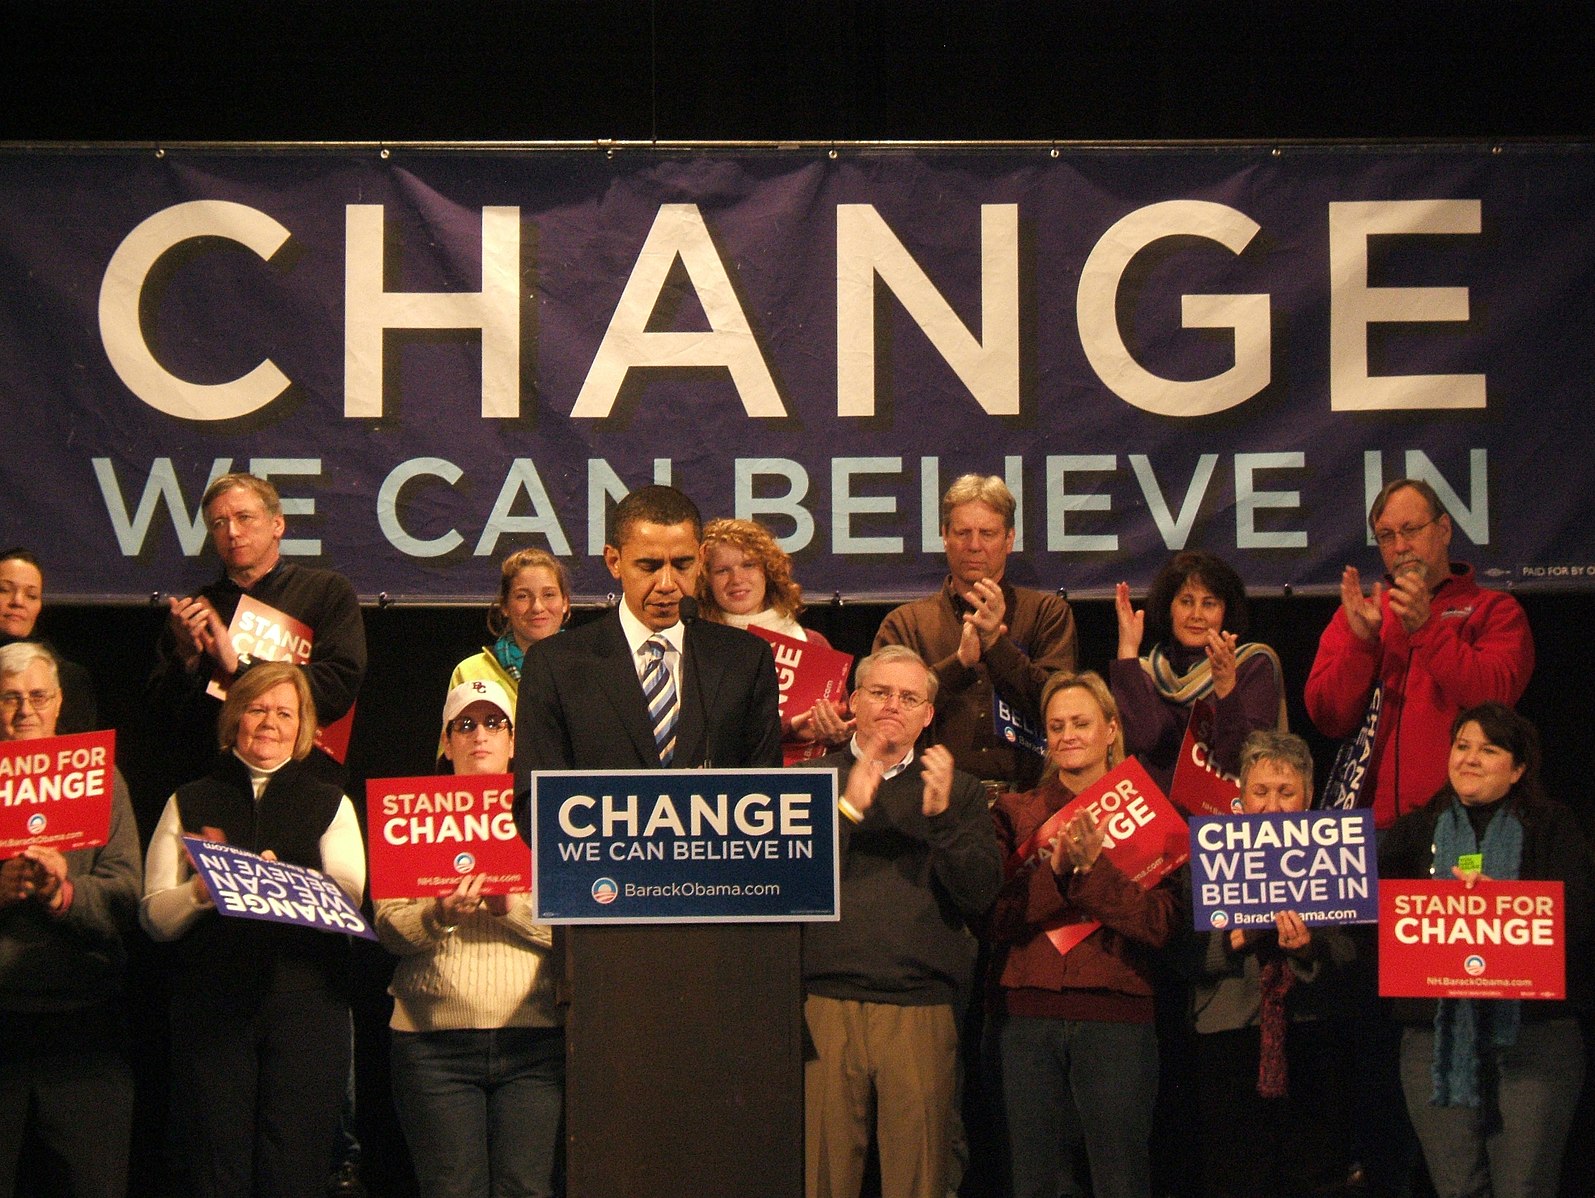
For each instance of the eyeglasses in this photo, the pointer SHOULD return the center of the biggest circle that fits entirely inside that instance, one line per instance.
(38, 700)
(907, 700)
(466, 724)
(1407, 532)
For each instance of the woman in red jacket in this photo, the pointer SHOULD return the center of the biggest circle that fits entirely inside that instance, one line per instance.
(1076, 1045)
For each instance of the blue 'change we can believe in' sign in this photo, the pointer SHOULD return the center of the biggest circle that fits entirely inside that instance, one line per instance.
(684, 846)
(1323, 865)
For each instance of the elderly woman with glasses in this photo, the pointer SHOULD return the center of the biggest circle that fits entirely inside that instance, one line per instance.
(64, 1069)
(260, 1011)
(478, 1046)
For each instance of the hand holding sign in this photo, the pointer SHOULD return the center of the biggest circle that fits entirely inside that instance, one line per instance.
(1078, 845)
(49, 873)
(16, 880)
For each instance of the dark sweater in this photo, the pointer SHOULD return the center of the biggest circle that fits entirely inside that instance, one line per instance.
(289, 818)
(51, 963)
(184, 732)
(911, 885)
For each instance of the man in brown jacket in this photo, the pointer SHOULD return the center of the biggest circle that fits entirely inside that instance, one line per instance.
(986, 639)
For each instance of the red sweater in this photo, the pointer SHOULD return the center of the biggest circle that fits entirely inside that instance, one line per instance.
(1474, 647)
(1107, 976)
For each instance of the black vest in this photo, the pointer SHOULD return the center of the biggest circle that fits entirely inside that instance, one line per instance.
(289, 819)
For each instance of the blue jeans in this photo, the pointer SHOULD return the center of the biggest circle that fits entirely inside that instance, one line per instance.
(1511, 1146)
(480, 1109)
(1101, 1078)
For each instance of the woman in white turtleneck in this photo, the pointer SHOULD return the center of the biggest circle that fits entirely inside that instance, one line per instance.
(260, 1011)
(747, 582)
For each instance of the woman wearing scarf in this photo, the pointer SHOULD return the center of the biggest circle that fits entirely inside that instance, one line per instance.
(1194, 617)
(1272, 1008)
(533, 602)
(1491, 1084)
(747, 582)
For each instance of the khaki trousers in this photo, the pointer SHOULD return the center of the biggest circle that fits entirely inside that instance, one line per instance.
(895, 1061)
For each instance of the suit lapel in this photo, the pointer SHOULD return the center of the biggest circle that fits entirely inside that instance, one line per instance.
(616, 676)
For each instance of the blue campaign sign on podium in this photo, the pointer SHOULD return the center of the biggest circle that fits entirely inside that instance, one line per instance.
(684, 846)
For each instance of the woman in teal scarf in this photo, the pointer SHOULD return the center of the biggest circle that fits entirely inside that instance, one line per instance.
(1491, 1084)
(533, 602)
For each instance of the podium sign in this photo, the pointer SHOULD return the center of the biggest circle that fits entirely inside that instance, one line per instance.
(684, 846)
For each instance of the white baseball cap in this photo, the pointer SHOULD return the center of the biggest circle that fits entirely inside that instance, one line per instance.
(483, 690)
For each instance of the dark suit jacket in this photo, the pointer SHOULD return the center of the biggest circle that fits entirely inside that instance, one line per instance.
(581, 706)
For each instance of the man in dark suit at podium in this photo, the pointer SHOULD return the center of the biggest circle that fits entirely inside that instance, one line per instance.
(602, 696)
(684, 1040)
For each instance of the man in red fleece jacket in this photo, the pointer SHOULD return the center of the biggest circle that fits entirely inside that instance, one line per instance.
(1428, 639)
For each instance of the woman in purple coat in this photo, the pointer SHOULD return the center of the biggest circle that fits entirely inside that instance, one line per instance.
(1194, 619)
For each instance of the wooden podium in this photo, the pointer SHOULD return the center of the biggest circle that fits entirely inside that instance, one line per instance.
(684, 1061)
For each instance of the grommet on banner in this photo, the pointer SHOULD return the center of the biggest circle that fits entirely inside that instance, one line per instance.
(383, 152)
(836, 599)
(384, 600)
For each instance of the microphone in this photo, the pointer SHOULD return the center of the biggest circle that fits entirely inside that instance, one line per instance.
(688, 610)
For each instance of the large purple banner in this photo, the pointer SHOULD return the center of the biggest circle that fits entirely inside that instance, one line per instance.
(443, 355)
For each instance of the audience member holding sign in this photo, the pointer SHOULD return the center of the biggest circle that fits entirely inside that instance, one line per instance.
(747, 582)
(198, 659)
(478, 1051)
(1491, 1084)
(63, 918)
(1076, 1038)
(260, 1011)
(1194, 617)
(1273, 1009)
